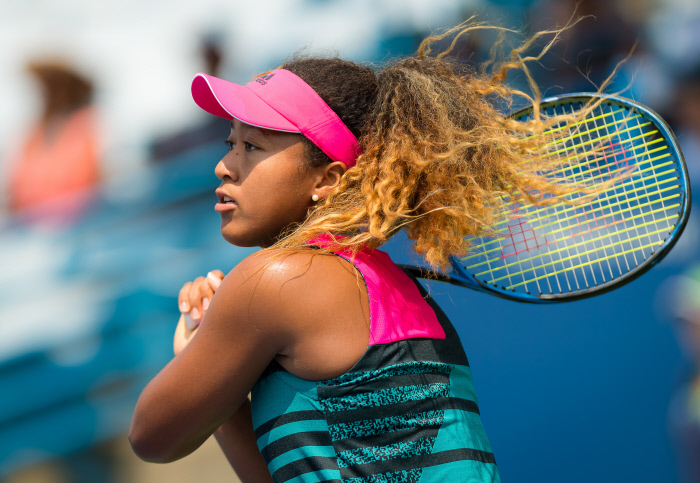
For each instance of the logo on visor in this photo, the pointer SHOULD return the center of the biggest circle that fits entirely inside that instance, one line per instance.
(264, 78)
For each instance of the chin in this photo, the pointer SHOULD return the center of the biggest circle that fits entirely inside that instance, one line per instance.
(238, 239)
(243, 235)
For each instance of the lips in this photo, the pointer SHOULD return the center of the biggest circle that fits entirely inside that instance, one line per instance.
(226, 202)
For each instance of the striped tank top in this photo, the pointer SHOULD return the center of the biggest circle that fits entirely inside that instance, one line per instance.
(405, 412)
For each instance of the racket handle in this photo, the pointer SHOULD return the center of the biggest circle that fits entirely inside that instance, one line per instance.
(189, 321)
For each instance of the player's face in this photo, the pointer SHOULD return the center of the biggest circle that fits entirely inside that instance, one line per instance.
(263, 186)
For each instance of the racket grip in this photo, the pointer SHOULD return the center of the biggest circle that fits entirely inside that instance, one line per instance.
(189, 321)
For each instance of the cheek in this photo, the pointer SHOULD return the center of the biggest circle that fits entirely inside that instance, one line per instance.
(284, 185)
(276, 198)
(288, 201)
(273, 192)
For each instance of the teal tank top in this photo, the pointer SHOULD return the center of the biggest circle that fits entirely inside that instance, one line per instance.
(406, 412)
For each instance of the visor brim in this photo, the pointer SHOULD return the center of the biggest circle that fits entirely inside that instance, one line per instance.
(229, 100)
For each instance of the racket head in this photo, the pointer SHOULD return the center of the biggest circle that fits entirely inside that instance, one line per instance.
(567, 252)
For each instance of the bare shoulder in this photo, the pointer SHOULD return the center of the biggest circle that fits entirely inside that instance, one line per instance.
(315, 302)
(281, 264)
(307, 311)
(271, 280)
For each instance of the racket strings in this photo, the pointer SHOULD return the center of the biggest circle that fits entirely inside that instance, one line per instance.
(572, 169)
(548, 222)
(570, 244)
(569, 180)
(540, 214)
(562, 229)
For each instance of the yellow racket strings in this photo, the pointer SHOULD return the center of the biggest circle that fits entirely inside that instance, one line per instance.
(565, 248)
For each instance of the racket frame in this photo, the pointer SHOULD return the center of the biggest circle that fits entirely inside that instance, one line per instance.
(458, 276)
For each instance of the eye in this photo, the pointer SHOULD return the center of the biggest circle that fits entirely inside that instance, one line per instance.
(250, 147)
(230, 145)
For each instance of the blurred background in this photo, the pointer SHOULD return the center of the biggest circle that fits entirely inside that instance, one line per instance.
(106, 209)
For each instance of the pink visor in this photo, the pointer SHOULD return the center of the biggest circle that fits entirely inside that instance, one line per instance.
(281, 101)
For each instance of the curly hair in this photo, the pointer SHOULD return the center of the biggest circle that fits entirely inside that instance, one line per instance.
(439, 159)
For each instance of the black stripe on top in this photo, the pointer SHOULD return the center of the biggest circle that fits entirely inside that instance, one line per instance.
(286, 419)
(417, 461)
(408, 350)
(373, 385)
(271, 368)
(305, 465)
(385, 439)
(419, 406)
(295, 441)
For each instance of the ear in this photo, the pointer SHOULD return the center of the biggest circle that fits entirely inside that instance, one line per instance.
(328, 178)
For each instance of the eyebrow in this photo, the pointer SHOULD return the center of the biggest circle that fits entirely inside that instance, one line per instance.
(262, 131)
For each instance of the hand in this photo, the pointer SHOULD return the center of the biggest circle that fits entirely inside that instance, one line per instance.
(193, 302)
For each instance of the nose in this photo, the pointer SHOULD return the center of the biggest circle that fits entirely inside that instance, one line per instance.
(225, 169)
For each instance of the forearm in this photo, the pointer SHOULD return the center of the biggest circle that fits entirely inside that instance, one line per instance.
(237, 441)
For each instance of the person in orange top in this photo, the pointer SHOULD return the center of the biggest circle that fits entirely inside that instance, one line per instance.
(60, 156)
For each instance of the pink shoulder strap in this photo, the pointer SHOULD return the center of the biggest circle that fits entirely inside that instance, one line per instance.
(397, 309)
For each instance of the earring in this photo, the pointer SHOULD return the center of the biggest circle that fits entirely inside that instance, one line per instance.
(314, 197)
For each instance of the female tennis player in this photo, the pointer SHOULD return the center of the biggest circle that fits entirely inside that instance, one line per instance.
(355, 373)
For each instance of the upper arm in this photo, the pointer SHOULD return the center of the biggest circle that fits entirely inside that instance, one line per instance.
(242, 331)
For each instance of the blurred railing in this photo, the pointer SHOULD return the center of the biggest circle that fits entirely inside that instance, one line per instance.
(88, 311)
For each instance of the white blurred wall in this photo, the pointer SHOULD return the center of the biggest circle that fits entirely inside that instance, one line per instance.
(142, 54)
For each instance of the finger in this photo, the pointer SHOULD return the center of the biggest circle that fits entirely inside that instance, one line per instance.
(214, 278)
(205, 289)
(179, 337)
(183, 298)
(183, 334)
(206, 294)
(195, 298)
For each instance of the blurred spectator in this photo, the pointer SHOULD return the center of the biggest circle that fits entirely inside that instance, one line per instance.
(587, 53)
(59, 157)
(684, 411)
(673, 32)
(685, 117)
(213, 128)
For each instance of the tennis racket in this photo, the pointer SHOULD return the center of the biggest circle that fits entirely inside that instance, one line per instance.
(564, 251)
